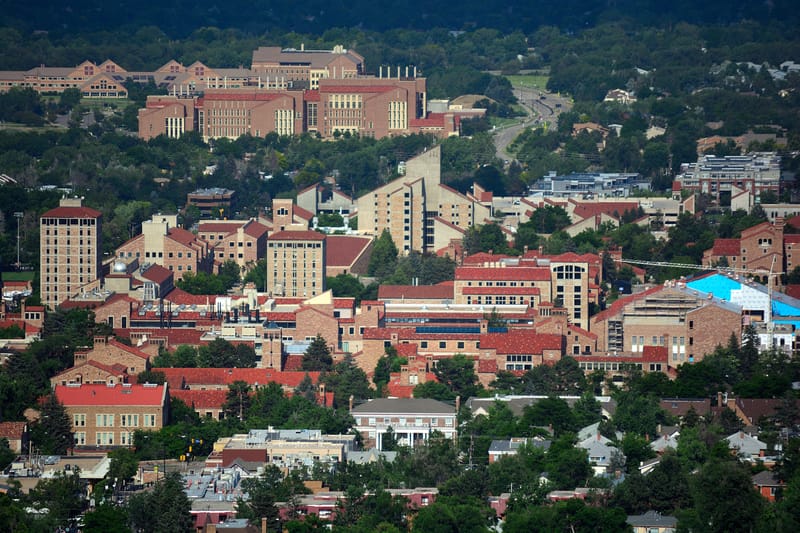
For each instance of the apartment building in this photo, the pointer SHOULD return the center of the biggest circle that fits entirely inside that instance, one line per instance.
(296, 263)
(106, 416)
(760, 247)
(420, 213)
(241, 241)
(756, 172)
(70, 238)
(163, 243)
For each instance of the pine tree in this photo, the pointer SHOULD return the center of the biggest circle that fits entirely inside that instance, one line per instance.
(318, 356)
(383, 262)
(51, 434)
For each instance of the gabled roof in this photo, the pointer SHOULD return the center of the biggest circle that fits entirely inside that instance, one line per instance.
(182, 236)
(344, 250)
(103, 395)
(726, 247)
(201, 399)
(157, 274)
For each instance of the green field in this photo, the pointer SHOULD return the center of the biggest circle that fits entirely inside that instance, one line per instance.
(529, 81)
(18, 276)
(499, 122)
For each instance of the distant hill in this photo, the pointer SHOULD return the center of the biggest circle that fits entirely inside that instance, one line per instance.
(178, 18)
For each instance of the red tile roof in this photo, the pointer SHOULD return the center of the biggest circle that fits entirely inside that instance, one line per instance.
(201, 399)
(303, 213)
(179, 296)
(503, 273)
(521, 342)
(12, 430)
(590, 209)
(304, 235)
(344, 250)
(351, 89)
(184, 377)
(182, 236)
(414, 292)
(157, 274)
(246, 97)
(726, 247)
(483, 257)
(311, 96)
(255, 229)
(791, 238)
(72, 212)
(96, 395)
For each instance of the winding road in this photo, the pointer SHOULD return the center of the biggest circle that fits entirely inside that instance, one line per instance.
(541, 106)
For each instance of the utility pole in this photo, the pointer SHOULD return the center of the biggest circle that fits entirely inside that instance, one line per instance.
(18, 216)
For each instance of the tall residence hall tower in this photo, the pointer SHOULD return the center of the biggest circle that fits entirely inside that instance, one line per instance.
(70, 246)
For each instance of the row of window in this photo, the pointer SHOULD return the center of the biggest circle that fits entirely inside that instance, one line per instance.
(105, 438)
(103, 420)
(402, 421)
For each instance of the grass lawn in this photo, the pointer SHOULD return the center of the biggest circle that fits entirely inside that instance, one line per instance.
(530, 81)
(500, 122)
(18, 276)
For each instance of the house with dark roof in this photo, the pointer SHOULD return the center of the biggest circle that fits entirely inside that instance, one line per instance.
(768, 484)
(652, 522)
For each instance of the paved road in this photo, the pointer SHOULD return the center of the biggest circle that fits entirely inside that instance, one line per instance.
(538, 109)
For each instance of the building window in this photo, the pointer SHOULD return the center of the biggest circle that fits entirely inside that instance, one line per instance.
(80, 438)
(79, 420)
(105, 438)
(149, 421)
(129, 421)
(105, 421)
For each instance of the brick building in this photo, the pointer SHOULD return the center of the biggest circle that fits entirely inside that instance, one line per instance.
(162, 242)
(757, 248)
(420, 213)
(70, 245)
(105, 416)
(305, 68)
(241, 241)
(211, 201)
(672, 316)
(296, 263)
(108, 361)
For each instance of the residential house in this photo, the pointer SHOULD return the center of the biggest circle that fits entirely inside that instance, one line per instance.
(768, 484)
(746, 446)
(652, 522)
